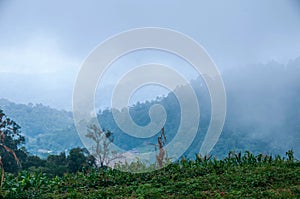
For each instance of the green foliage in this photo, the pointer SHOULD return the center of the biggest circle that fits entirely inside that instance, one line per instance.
(236, 176)
(46, 129)
(57, 165)
(33, 161)
(11, 141)
(78, 159)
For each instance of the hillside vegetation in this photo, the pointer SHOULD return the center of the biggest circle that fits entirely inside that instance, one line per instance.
(262, 115)
(236, 176)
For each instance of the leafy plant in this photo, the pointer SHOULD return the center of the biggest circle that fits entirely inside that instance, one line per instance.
(236, 176)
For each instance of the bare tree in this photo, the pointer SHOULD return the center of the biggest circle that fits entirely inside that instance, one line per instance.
(101, 149)
(161, 140)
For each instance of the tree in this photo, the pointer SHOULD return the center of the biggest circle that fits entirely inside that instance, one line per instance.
(78, 159)
(161, 141)
(33, 162)
(101, 150)
(10, 139)
(57, 164)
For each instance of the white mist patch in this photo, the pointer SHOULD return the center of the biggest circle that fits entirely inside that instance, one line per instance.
(132, 60)
(38, 55)
(148, 93)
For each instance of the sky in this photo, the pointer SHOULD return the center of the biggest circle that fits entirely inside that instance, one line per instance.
(44, 43)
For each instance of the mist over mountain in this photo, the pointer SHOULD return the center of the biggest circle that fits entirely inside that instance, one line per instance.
(49, 89)
(264, 102)
(150, 99)
(263, 109)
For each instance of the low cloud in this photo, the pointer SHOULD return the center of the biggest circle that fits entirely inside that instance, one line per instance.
(38, 55)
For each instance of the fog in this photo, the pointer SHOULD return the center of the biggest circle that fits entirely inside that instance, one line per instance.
(44, 43)
(264, 102)
(255, 45)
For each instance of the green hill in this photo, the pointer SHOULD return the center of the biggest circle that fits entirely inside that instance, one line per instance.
(237, 176)
(47, 130)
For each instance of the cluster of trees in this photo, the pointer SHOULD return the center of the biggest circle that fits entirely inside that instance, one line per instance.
(14, 157)
(78, 159)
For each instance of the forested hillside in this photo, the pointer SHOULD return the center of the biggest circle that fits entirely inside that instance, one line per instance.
(258, 119)
(271, 125)
(47, 130)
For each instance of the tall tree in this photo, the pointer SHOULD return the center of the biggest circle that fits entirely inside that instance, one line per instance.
(10, 142)
(101, 150)
(161, 141)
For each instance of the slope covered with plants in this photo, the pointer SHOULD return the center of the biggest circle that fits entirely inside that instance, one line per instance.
(263, 119)
(236, 176)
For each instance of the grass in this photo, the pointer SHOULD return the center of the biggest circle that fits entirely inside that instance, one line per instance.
(237, 176)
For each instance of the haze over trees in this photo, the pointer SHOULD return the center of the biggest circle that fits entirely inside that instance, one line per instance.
(262, 115)
(264, 121)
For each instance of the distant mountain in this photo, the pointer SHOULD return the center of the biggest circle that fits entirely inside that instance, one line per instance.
(231, 139)
(263, 109)
(46, 130)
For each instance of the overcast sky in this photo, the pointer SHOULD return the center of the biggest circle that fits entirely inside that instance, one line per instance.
(43, 43)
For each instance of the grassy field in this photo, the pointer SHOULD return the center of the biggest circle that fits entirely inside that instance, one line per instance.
(237, 176)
